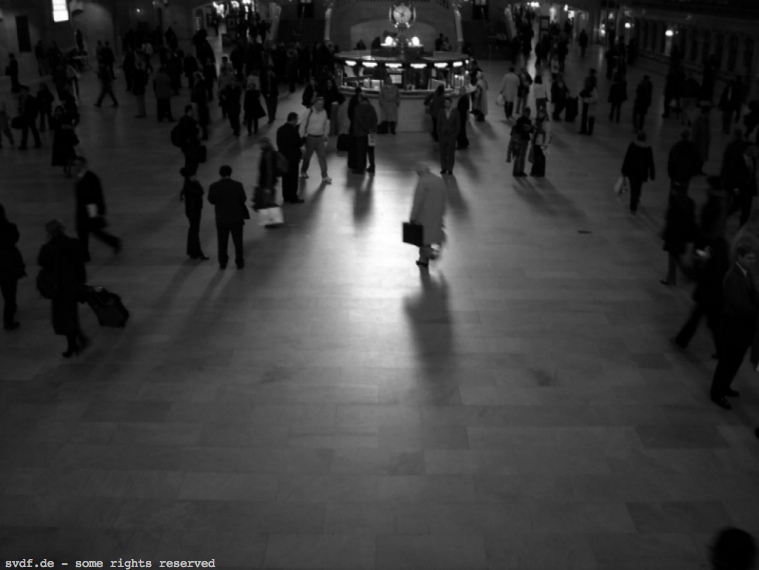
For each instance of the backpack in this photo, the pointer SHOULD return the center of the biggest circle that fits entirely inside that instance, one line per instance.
(280, 164)
(178, 136)
(47, 283)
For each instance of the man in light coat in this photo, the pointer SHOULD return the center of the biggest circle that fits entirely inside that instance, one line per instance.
(509, 88)
(428, 211)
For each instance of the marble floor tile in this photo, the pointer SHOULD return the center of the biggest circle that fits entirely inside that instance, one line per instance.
(430, 552)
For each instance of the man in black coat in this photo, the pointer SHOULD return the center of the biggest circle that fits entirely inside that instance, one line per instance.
(737, 325)
(289, 144)
(190, 135)
(737, 177)
(228, 198)
(90, 209)
(12, 269)
(683, 161)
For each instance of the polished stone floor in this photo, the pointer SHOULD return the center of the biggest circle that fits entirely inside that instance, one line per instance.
(331, 407)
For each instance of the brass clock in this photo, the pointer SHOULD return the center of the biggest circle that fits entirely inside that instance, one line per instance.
(402, 15)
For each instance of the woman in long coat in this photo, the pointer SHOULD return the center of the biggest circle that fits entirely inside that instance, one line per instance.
(64, 140)
(253, 108)
(62, 257)
(480, 98)
(428, 210)
(638, 167)
(389, 101)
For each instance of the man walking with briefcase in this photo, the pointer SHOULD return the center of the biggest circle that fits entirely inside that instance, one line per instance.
(428, 211)
(90, 209)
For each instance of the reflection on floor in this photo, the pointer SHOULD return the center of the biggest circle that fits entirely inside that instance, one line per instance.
(330, 406)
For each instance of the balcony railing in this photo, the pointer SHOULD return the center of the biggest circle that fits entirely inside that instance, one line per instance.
(728, 8)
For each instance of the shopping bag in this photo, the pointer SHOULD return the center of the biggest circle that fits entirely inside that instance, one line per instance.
(372, 139)
(413, 234)
(500, 100)
(270, 217)
(621, 186)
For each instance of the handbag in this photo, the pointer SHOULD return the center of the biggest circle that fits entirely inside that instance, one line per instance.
(621, 186)
(269, 217)
(372, 140)
(500, 101)
(413, 234)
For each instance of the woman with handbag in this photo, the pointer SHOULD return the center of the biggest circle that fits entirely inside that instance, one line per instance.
(12, 269)
(64, 140)
(63, 267)
(192, 196)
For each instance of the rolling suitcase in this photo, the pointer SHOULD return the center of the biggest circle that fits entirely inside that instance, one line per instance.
(572, 108)
(108, 307)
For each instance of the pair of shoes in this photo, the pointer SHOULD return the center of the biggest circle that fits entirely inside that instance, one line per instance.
(732, 393)
(443, 172)
(326, 180)
(357, 171)
(370, 170)
(141, 117)
(115, 105)
(96, 105)
(722, 402)
(200, 257)
(296, 201)
(240, 265)
(423, 263)
(304, 174)
(71, 352)
(23, 148)
(12, 326)
(222, 266)
(38, 145)
(519, 174)
(667, 283)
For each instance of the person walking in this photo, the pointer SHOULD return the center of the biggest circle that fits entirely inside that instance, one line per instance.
(448, 125)
(679, 230)
(64, 140)
(737, 324)
(559, 94)
(364, 131)
(228, 198)
(582, 40)
(683, 161)
(389, 102)
(480, 98)
(541, 138)
(106, 86)
(540, 91)
(163, 93)
(707, 295)
(315, 129)
(272, 96)
(12, 71)
(737, 175)
(192, 196)
(589, 98)
(617, 96)
(521, 133)
(5, 122)
(434, 103)
(253, 108)
(189, 135)
(61, 257)
(428, 211)
(210, 76)
(29, 109)
(702, 136)
(265, 191)
(232, 95)
(12, 269)
(638, 167)
(643, 95)
(200, 98)
(509, 87)
(139, 85)
(523, 91)
(45, 103)
(289, 144)
(90, 209)
(462, 106)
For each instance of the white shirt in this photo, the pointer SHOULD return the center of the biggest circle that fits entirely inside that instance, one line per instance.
(509, 86)
(314, 124)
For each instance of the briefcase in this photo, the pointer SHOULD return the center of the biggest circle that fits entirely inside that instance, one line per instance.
(108, 307)
(413, 234)
(270, 217)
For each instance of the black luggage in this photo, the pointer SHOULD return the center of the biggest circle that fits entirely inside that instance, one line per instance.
(343, 142)
(383, 128)
(413, 234)
(572, 108)
(108, 307)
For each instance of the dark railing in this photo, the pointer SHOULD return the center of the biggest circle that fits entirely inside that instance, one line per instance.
(739, 8)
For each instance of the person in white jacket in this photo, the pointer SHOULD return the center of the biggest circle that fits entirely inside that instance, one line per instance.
(589, 97)
(509, 88)
(540, 90)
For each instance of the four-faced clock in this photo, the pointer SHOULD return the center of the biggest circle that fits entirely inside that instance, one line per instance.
(402, 15)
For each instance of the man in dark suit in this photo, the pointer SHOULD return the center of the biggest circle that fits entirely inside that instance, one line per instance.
(289, 143)
(448, 126)
(737, 326)
(228, 198)
(90, 209)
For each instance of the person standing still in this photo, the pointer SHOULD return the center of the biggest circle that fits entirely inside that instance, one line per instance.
(90, 209)
(448, 130)
(638, 166)
(192, 196)
(643, 95)
(315, 129)
(228, 198)
(428, 211)
(12, 269)
(163, 92)
(289, 144)
(737, 325)
(139, 84)
(29, 108)
(509, 87)
(12, 71)
(364, 127)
